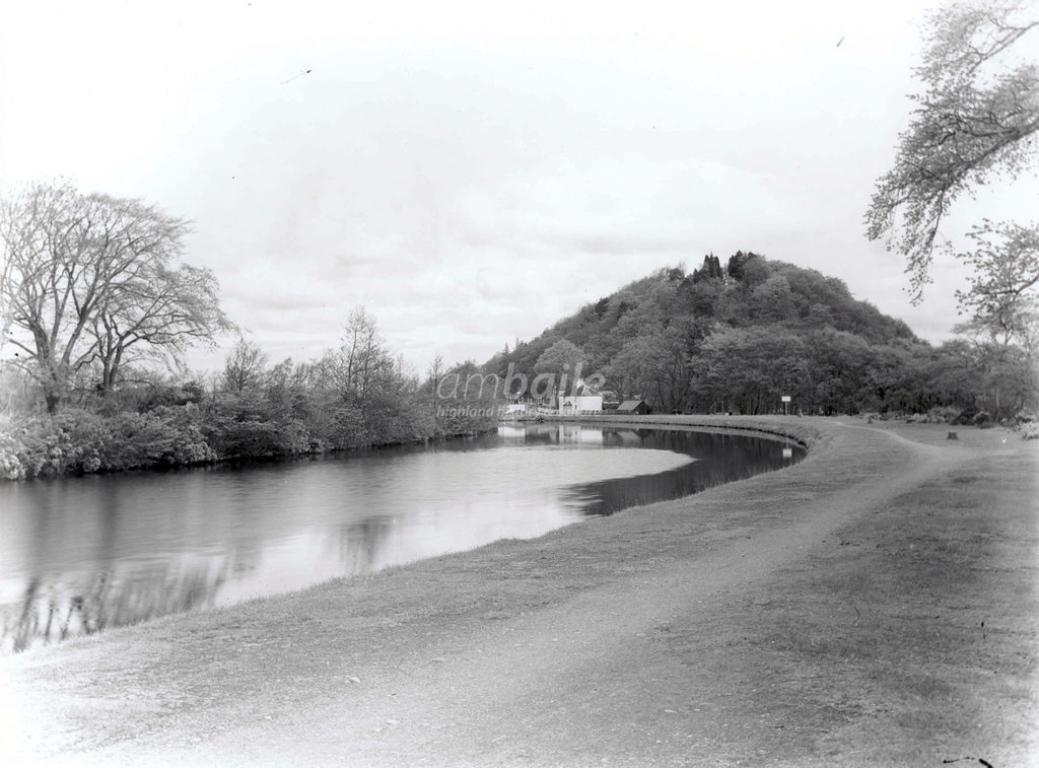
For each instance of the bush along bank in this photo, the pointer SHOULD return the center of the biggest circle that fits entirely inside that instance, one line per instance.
(78, 441)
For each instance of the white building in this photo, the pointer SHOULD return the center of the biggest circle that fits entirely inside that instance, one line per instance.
(579, 405)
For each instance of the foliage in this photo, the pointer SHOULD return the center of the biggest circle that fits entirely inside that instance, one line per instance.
(982, 419)
(1001, 299)
(354, 396)
(725, 342)
(77, 442)
(972, 121)
(739, 340)
(561, 357)
(711, 270)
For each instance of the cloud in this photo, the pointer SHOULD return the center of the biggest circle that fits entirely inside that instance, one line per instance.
(471, 174)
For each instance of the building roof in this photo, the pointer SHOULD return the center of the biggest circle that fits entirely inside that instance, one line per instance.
(630, 405)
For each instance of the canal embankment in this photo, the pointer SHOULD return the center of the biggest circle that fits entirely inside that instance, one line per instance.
(875, 603)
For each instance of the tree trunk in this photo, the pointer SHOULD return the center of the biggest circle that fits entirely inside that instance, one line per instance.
(53, 391)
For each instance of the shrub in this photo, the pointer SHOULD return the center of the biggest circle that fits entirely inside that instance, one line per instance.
(348, 429)
(942, 414)
(1030, 431)
(242, 426)
(189, 445)
(293, 437)
(241, 439)
(10, 463)
(79, 442)
(966, 416)
(982, 419)
(167, 436)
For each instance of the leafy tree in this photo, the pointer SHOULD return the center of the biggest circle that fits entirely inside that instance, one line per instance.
(838, 362)
(894, 378)
(1001, 299)
(654, 311)
(748, 370)
(700, 298)
(658, 367)
(973, 120)
(772, 301)
(562, 357)
(950, 374)
(756, 270)
(711, 269)
(738, 263)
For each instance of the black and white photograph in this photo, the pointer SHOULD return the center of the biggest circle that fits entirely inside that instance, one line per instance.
(538, 384)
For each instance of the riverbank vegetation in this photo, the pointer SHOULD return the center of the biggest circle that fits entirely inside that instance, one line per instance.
(738, 337)
(251, 410)
(98, 310)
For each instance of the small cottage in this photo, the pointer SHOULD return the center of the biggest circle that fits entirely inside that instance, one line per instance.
(632, 408)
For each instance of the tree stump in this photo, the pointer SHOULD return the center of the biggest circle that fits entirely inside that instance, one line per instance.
(952, 436)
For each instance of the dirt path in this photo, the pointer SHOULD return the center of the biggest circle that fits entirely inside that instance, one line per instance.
(786, 619)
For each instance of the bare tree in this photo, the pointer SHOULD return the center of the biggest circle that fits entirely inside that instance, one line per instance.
(364, 361)
(158, 317)
(977, 117)
(49, 283)
(435, 372)
(244, 367)
(92, 278)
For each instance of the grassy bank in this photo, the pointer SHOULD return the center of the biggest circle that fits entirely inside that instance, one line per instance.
(873, 604)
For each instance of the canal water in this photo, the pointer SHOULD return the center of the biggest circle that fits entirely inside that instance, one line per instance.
(80, 554)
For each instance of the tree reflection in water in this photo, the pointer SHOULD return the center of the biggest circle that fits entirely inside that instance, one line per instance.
(49, 612)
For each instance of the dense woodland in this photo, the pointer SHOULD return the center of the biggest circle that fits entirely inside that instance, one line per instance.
(737, 336)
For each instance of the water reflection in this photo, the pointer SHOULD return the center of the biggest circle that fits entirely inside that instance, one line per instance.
(80, 554)
(721, 457)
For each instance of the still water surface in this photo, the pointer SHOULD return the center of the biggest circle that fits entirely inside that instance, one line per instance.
(79, 554)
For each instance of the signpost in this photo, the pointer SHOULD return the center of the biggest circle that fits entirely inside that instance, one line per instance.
(785, 399)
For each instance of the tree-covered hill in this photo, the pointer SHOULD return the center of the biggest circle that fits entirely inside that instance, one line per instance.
(739, 335)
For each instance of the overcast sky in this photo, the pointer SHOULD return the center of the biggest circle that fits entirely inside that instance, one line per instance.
(470, 173)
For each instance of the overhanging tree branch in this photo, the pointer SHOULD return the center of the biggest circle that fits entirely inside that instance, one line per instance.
(968, 126)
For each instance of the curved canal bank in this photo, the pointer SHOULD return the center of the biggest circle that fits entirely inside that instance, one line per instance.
(875, 603)
(84, 555)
